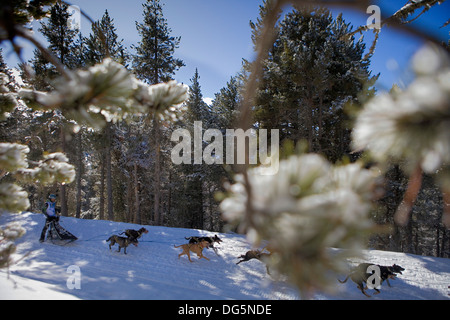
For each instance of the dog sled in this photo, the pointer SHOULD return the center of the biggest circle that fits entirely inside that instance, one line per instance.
(58, 235)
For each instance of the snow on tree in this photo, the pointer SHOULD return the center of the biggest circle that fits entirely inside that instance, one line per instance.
(101, 94)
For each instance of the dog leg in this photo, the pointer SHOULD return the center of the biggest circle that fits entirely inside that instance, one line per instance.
(215, 250)
(363, 291)
(387, 281)
(267, 269)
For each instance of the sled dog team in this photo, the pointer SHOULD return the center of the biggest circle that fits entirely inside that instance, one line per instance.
(196, 244)
(358, 275)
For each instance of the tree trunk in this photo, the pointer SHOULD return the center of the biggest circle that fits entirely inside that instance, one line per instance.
(102, 184)
(438, 247)
(109, 173)
(136, 195)
(157, 181)
(79, 173)
(62, 188)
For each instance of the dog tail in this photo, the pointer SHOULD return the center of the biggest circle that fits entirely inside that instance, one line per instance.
(109, 239)
(177, 246)
(188, 238)
(345, 280)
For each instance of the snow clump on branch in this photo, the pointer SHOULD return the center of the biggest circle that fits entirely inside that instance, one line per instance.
(53, 168)
(305, 209)
(413, 124)
(164, 99)
(13, 160)
(13, 156)
(412, 127)
(107, 92)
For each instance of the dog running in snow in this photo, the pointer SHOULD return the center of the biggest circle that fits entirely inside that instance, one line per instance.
(134, 234)
(194, 247)
(359, 275)
(210, 240)
(255, 254)
(122, 242)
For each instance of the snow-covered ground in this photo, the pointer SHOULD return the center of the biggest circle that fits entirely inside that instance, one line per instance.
(87, 269)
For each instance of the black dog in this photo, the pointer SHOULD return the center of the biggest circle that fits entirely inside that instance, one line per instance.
(134, 234)
(390, 269)
(359, 275)
(211, 241)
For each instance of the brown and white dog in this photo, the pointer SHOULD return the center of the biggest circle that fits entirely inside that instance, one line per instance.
(194, 247)
(211, 241)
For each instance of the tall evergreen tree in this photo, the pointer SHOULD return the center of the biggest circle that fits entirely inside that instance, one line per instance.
(103, 42)
(226, 103)
(11, 82)
(60, 34)
(61, 39)
(196, 183)
(197, 110)
(314, 68)
(154, 63)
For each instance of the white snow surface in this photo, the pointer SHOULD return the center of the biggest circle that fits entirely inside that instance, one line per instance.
(153, 271)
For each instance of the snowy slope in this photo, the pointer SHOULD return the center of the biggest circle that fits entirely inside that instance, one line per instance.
(153, 271)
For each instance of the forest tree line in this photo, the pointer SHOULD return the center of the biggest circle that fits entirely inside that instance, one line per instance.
(315, 78)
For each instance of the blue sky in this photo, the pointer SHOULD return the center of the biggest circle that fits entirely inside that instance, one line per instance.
(215, 36)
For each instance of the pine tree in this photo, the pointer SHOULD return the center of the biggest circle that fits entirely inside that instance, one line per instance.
(226, 104)
(197, 108)
(194, 174)
(11, 82)
(193, 185)
(314, 69)
(103, 42)
(20, 12)
(154, 61)
(60, 34)
(61, 39)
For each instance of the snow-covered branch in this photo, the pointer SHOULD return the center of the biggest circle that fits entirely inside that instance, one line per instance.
(107, 92)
